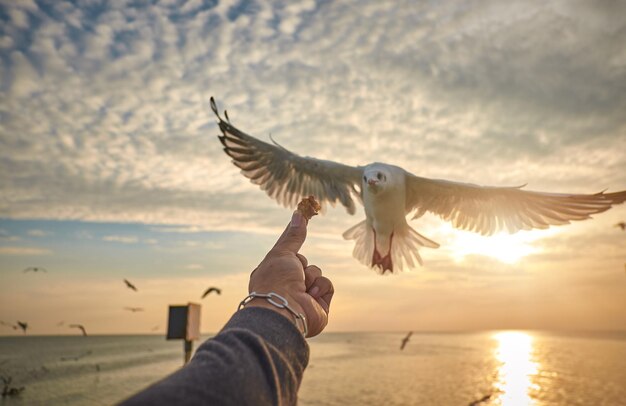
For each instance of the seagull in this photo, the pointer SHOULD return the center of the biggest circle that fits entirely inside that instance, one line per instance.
(405, 340)
(22, 325)
(481, 400)
(621, 225)
(134, 309)
(384, 240)
(4, 323)
(35, 269)
(80, 326)
(130, 285)
(211, 289)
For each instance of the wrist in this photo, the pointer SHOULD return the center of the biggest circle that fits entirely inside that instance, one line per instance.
(283, 305)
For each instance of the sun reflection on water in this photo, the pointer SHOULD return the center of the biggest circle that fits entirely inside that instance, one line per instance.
(515, 353)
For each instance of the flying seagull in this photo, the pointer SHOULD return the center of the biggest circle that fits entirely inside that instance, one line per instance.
(80, 326)
(621, 225)
(384, 240)
(405, 340)
(134, 309)
(22, 325)
(4, 323)
(211, 289)
(130, 285)
(35, 269)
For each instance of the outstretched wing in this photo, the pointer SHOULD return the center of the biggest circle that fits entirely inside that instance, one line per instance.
(79, 326)
(130, 285)
(285, 176)
(209, 290)
(487, 210)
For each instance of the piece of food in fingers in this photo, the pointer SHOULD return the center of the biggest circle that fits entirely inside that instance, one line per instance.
(309, 207)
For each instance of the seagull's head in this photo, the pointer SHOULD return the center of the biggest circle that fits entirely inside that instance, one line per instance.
(375, 178)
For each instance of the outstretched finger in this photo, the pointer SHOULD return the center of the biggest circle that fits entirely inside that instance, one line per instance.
(294, 235)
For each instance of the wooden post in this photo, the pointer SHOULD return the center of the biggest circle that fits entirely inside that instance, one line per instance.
(184, 323)
(188, 346)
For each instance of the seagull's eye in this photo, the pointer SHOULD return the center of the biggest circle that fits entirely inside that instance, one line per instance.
(379, 176)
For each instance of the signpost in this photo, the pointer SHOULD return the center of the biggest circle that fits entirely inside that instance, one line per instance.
(184, 323)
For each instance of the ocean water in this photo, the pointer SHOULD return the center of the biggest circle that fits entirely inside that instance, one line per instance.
(486, 368)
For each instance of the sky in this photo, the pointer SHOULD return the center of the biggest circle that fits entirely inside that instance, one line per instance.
(111, 169)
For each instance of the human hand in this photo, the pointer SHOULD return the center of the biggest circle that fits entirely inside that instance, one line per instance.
(287, 273)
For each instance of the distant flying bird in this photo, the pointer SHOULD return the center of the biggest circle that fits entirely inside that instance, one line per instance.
(621, 225)
(35, 269)
(22, 325)
(481, 400)
(130, 285)
(4, 323)
(134, 309)
(384, 240)
(405, 340)
(80, 326)
(211, 289)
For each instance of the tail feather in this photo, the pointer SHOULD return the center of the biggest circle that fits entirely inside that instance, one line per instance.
(404, 247)
(364, 244)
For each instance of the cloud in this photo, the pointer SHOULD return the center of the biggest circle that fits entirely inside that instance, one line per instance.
(83, 235)
(37, 233)
(5, 236)
(24, 251)
(125, 239)
(118, 125)
(179, 229)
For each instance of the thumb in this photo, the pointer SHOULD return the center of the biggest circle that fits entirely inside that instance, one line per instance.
(294, 235)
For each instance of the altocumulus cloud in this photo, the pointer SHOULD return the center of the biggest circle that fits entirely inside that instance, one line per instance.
(104, 106)
(125, 239)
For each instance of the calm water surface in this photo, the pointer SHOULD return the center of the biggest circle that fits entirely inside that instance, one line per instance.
(499, 368)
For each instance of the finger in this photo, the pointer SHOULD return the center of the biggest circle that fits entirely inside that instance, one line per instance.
(294, 235)
(322, 291)
(311, 273)
(303, 259)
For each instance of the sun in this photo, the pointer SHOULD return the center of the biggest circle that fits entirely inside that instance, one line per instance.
(506, 248)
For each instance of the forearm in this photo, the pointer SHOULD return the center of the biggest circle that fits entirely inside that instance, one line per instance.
(258, 358)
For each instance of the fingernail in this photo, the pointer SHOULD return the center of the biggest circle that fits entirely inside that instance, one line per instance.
(296, 219)
(314, 290)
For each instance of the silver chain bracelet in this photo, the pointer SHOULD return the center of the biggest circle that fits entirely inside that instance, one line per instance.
(282, 304)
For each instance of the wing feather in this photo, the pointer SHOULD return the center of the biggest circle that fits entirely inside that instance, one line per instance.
(487, 210)
(285, 176)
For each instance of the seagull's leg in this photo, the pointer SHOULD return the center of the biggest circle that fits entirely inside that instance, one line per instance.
(384, 263)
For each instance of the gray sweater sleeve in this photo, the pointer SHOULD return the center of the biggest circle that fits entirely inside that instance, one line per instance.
(257, 359)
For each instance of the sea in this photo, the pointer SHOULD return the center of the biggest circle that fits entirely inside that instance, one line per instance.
(479, 368)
